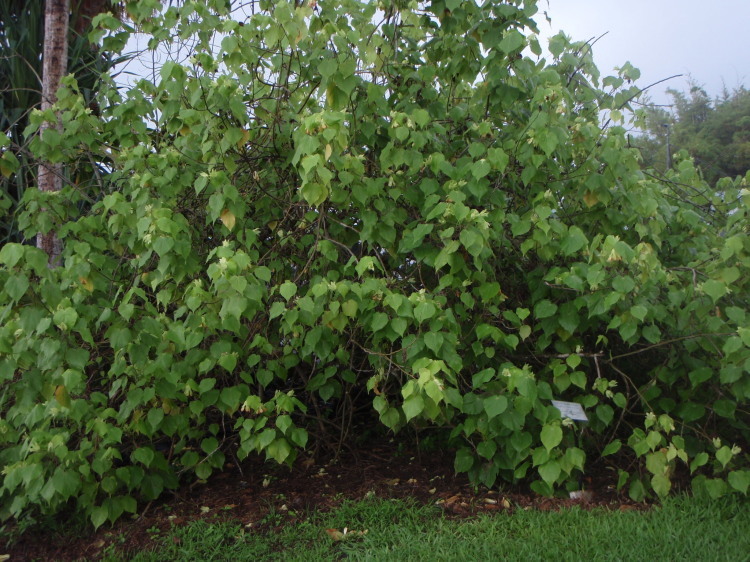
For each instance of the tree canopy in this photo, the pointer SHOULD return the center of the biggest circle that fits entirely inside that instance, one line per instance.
(342, 212)
(715, 133)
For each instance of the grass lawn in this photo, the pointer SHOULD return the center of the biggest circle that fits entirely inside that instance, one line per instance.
(681, 529)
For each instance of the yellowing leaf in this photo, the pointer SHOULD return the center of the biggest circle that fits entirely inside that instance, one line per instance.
(228, 218)
(62, 396)
(87, 284)
(244, 138)
(5, 170)
(590, 199)
(329, 151)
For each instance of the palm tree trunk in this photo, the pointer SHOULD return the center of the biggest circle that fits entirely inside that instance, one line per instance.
(54, 66)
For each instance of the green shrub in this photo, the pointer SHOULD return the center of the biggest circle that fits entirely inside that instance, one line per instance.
(398, 204)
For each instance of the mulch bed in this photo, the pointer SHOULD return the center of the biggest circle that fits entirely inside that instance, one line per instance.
(250, 492)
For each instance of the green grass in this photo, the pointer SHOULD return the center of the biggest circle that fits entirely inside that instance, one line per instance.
(681, 529)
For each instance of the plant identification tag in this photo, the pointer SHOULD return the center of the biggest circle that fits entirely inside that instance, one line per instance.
(572, 410)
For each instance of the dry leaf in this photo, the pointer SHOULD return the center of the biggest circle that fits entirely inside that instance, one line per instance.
(335, 534)
(228, 218)
(205, 509)
(4, 557)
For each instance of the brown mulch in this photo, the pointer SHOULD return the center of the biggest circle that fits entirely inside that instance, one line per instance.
(250, 492)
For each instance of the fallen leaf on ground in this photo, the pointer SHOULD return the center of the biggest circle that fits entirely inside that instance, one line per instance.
(337, 535)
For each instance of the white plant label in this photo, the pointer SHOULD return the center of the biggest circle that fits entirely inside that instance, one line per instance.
(572, 410)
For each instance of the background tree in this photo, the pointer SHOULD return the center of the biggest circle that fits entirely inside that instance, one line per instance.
(54, 66)
(21, 44)
(715, 133)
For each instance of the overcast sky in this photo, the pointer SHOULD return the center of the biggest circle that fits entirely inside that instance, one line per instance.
(708, 39)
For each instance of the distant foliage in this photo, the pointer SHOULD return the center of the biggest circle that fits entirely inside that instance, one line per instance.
(343, 210)
(715, 133)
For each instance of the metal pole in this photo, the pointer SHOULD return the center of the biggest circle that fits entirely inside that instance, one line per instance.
(669, 148)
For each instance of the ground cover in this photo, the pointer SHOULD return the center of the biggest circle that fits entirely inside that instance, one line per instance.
(681, 529)
(410, 502)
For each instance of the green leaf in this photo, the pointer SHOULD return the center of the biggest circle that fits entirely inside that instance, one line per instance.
(279, 450)
(489, 291)
(739, 480)
(551, 436)
(228, 361)
(11, 253)
(498, 158)
(421, 117)
(288, 290)
(314, 193)
(714, 289)
(379, 321)
(544, 309)
(661, 484)
(349, 308)
(203, 471)
(521, 440)
(413, 406)
(480, 169)
(365, 264)
(639, 312)
(573, 241)
(390, 418)
(624, 284)
(144, 455)
(209, 445)
(724, 455)
(424, 311)
(155, 416)
(495, 405)
(464, 460)
(16, 286)
(487, 449)
(99, 515)
(472, 240)
(399, 325)
(327, 67)
(550, 471)
(700, 460)
(512, 41)
(433, 341)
